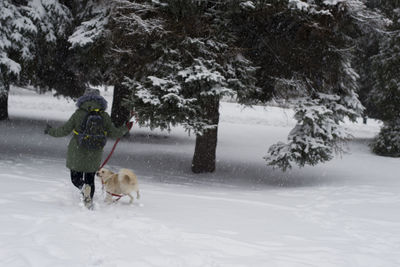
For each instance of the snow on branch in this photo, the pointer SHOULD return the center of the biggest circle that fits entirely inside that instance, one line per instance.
(51, 16)
(11, 65)
(249, 5)
(89, 31)
(137, 17)
(23, 23)
(317, 135)
(368, 19)
(15, 26)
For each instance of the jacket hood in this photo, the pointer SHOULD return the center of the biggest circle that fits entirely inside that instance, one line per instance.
(92, 98)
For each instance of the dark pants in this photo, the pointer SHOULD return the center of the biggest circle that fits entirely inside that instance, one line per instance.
(80, 178)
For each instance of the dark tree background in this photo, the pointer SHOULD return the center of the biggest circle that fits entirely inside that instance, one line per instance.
(171, 61)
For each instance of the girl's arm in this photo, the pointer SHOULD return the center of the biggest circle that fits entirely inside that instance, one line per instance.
(113, 131)
(64, 130)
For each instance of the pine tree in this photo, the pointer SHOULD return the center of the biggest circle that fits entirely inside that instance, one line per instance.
(15, 46)
(172, 61)
(307, 43)
(93, 40)
(88, 43)
(305, 54)
(188, 62)
(368, 34)
(26, 28)
(385, 93)
(52, 66)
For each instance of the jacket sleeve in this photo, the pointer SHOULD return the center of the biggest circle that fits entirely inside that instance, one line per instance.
(113, 131)
(64, 130)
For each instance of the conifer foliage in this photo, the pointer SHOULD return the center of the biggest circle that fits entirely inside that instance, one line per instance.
(171, 62)
(305, 55)
(193, 62)
(24, 25)
(15, 46)
(385, 93)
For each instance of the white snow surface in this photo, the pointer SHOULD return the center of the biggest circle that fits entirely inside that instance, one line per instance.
(344, 213)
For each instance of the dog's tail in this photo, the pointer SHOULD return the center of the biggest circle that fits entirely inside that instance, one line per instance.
(126, 176)
(125, 179)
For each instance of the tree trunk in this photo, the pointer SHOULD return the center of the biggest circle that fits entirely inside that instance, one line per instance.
(4, 89)
(119, 113)
(206, 144)
(3, 105)
(365, 118)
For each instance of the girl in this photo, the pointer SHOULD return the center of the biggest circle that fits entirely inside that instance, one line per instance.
(84, 161)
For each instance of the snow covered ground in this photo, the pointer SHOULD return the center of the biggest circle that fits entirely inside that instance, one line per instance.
(344, 213)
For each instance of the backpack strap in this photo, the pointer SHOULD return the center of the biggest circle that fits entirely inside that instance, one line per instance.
(83, 124)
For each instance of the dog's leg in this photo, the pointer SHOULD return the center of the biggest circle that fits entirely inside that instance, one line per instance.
(137, 194)
(131, 197)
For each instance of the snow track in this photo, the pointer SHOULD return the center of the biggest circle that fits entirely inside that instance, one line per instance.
(340, 214)
(43, 224)
(53, 230)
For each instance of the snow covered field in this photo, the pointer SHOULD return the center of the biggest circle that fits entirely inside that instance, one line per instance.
(341, 214)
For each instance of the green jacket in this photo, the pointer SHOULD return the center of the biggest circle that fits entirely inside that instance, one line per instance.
(78, 158)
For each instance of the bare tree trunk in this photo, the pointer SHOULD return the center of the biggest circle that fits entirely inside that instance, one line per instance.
(3, 105)
(365, 118)
(119, 113)
(4, 89)
(206, 144)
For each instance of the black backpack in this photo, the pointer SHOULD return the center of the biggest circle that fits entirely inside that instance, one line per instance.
(92, 135)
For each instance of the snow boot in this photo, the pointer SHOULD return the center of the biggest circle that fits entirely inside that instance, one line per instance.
(87, 200)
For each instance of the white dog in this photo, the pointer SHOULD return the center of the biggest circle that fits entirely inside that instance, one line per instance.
(119, 184)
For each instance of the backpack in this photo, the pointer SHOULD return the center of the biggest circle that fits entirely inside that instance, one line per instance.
(92, 135)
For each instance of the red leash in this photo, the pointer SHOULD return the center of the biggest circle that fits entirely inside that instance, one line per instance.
(115, 195)
(112, 194)
(115, 145)
(109, 155)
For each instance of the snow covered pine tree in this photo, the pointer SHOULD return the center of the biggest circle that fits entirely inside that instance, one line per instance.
(95, 41)
(15, 47)
(188, 61)
(22, 24)
(385, 93)
(311, 55)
